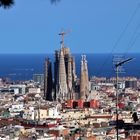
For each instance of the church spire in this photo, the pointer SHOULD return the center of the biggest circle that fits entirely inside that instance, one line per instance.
(84, 83)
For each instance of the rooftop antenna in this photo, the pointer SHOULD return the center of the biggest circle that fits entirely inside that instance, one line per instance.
(117, 68)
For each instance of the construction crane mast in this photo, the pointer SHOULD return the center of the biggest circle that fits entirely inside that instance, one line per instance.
(62, 34)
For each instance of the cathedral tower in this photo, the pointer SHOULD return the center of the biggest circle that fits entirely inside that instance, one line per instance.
(48, 83)
(84, 82)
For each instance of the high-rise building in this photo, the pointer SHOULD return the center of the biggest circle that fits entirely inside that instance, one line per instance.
(48, 83)
(39, 78)
(84, 82)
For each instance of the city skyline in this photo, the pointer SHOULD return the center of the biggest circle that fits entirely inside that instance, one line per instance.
(65, 71)
(95, 26)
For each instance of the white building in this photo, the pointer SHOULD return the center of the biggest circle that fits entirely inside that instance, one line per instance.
(22, 88)
(16, 108)
(34, 90)
(41, 113)
(29, 113)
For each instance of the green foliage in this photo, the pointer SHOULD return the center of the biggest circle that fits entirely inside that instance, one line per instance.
(8, 3)
(128, 108)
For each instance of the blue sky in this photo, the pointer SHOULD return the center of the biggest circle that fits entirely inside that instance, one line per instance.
(95, 26)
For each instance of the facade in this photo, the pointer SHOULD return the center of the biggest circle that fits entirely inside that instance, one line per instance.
(33, 113)
(34, 90)
(29, 113)
(21, 88)
(131, 84)
(16, 108)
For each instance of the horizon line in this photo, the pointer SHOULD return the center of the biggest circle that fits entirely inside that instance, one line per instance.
(72, 53)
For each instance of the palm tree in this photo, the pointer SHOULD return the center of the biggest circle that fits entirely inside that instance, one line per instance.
(9, 3)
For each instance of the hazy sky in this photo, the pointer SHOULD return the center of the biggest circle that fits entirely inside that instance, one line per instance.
(32, 26)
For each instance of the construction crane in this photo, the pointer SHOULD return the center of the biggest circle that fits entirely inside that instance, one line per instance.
(62, 34)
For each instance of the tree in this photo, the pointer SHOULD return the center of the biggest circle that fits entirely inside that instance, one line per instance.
(135, 117)
(9, 3)
(6, 3)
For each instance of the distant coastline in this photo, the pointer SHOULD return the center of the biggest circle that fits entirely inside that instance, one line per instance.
(23, 66)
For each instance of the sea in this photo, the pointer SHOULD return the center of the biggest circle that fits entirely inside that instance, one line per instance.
(19, 67)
